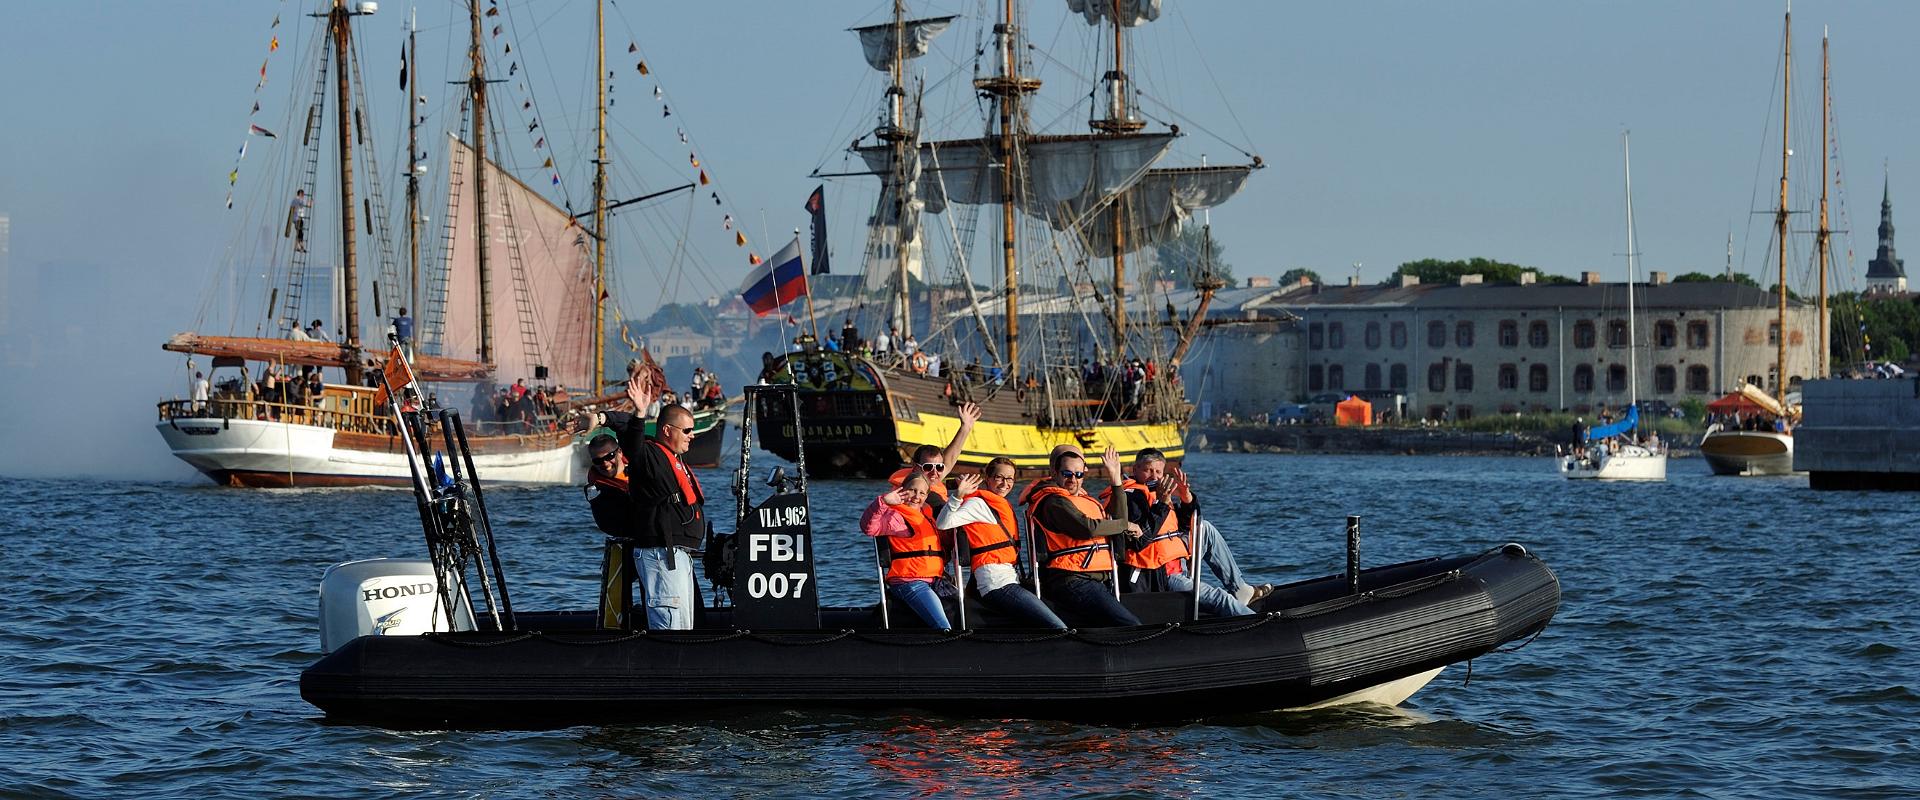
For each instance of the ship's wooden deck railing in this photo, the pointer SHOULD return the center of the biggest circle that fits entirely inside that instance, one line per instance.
(335, 412)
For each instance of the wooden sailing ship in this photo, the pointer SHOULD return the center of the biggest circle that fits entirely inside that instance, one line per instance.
(1065, 203)
(515, 266)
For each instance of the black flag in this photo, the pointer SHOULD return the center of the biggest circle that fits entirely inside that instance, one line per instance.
(403, 67)
(817, 206)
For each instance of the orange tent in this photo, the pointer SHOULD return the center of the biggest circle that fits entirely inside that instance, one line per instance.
(1353, 411)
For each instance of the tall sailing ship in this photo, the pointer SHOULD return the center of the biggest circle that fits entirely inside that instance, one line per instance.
(514, 301)
(1091, 366)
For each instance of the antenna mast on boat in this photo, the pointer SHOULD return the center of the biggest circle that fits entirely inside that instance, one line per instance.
(338, 20)
(477, 90)
(1119, 121)
(1825, 233)
(413, 165)
(599, 368)
(1780, 213)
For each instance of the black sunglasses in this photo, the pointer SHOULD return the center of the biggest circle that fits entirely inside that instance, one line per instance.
(606, 459)
(1067, 473)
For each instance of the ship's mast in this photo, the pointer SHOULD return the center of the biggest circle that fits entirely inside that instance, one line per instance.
(1780, 213)
(413, 169)
(1633, 363)
(598, 370)
(1119, 121)
(1825, 233)
(1007, 89)
(338, 20)
(896, 132)
(477, 89)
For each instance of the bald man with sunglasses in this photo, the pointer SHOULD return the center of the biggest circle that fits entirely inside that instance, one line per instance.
(670, 518)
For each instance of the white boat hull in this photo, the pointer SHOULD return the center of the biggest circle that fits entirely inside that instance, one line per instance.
(1747, 452)
(265, 453)
(1632, 463)
(1391, 693)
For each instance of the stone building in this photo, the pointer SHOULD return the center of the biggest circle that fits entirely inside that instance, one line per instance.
(1470, 348)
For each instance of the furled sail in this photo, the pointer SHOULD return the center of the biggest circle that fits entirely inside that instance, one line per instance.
(916, 34)
(552, 271)
(1132, 13)
(316, 354)
(1154, 207)
(1061, 170)
(893, 234)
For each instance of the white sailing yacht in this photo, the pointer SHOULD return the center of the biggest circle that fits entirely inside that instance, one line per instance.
(1615, 451)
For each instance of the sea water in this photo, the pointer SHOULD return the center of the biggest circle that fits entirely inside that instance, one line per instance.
(1718, 637)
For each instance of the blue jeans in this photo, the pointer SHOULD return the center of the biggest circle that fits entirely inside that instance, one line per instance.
(1218, 557)
(1212, 599)
(1087, 595)
(919, 596)
(1016, 601)
(666, 582)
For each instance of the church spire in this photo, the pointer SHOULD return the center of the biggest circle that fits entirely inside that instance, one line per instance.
(1886, 272)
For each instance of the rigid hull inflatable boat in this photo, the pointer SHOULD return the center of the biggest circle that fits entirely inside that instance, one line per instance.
(437, 643)
(1313, 643)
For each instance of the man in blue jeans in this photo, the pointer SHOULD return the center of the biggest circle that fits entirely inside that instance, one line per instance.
(671, 518)
(1175, 496)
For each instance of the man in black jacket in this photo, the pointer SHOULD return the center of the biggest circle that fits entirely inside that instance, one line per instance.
(668, 517)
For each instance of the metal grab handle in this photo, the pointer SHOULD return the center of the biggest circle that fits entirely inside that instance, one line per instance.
(1353, 554)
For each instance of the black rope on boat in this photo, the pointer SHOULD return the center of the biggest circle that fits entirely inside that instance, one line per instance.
(597, 641)
(1536, 635)
(708, 640)
(758, 637)
(1258, 620)
(454, 640)
(947, 636)
(1044, 637)
(1164, 630)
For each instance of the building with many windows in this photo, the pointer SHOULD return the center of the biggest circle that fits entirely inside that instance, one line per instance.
(1469, 348)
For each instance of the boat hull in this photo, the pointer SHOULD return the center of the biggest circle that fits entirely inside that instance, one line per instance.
(1624, 467)
(862, 422)
(1747, 452)
(1310, 645)
(270, 454)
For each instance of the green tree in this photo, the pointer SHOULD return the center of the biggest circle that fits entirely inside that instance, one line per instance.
(1874, 327)
(1180, 258)
(670, 315)
(1701, 277)
(1292, 276)
(1434, 270)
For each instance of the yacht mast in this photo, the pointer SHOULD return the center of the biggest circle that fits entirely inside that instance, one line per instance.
(1825, 233)
(1633, 364)
(338, 20)
(1780, 213)
(477, 89)
(599, 367)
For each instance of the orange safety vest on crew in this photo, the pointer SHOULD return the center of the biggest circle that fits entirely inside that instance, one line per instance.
(917, 556)
(1160, 547)
(992, 542)
(1064, 552)
(937, 488)
(690, 493)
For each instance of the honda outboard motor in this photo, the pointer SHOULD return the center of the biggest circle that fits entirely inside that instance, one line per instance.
(385, 597)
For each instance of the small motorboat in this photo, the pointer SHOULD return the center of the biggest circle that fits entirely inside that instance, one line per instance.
(408, 645)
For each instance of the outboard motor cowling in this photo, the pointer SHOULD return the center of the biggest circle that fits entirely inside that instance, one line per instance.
(385, 597)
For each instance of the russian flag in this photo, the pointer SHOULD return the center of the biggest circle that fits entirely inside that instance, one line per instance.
(777, 281)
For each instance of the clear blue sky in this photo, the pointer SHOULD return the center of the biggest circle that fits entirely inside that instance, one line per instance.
(1392, 131)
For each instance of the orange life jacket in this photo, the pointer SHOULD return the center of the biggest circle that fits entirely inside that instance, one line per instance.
(1157, 548)
(1064, 552)
(917, 556)
(900, 476)
(689, 484)
(993, 542)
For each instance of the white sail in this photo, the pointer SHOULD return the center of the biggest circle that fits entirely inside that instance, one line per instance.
(1062, 171)
(553, 268)
(1132, 13)
(877, 42)
(894, 230)
(1155, 206)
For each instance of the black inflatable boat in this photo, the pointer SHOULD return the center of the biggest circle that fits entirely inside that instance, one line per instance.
(1312, 644)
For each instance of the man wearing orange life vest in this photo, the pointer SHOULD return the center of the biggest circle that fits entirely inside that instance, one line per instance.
(1160, 500)
(1071, 529)
(917, 550)
(936, 463)
(984, 515)
(670, 518)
